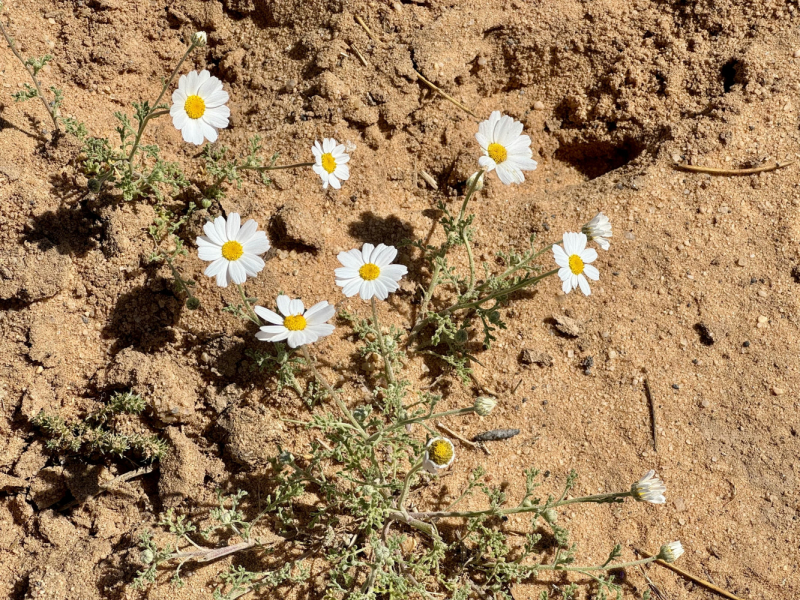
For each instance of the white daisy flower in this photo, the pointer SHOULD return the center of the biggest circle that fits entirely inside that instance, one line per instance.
(439, 455)
(331, 163)
(671, 552)
(649, 488)
(198, 107)
(574, 259)
(369, 272)
(233, 250)
(598, 230)
(295, 324)
(505, 148)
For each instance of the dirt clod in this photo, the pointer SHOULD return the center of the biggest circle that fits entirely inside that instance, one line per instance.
(182, 470)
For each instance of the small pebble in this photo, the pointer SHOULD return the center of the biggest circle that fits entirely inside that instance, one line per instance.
(705, 404)
(796, 53)
(746, 344)
(675, 386)
(538, 105)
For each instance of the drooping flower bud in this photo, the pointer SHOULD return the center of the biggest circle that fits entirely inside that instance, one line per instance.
(484, 405)
(671, 552)
(472, 181)
(200, 38)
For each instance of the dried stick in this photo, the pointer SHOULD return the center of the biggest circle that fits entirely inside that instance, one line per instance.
(371, 35)
(358, 54)
(652, 402)
(733, 172)
(461, 438)
(706, 584)
(446, 96)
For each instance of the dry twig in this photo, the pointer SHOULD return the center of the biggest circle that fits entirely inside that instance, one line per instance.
(652, 401)
(706, 584)
(371, 35)
(358, 54)
(445, 94)
(461, 438)
(732, 172)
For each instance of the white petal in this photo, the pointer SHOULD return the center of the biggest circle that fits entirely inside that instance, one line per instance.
(588, 255)
(582, 281)
(219, 230)
(561, 258)
(296, 307)
(483, 141)
(565, 274)
(252, 264)
(328, 144)
(192, 133)
(367, 290)
(395, 272)
(386, 255)
(257, 245)
(246, 232)
(296, 339)
(208, 132)
(334, 181)
(267, 336)
(210, 252)
(321, 330)
(319, 313)
(191, 83)
(179, 118)
(268, 315)
(217, 99)
(366, 252)
(237, 272)
(216, 267)
(316, 150)
(591, 272)
(350, 288)
(207, 86)
(350, 260)
(487, 163)
(342, 171)
(387, 283)
(217, 117)
(284, 302)
(273, 329)
(566, 285)
(232, 226)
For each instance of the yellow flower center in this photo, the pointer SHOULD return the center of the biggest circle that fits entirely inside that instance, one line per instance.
(195, 107)
(440, 452)
(576, 264)
(295, 323)
(232, 250)
(497, 153)
(328, 162)
(368, 272)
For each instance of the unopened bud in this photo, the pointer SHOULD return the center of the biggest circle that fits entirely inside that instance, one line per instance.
(550, 515)
(484, 405)
(472, 181)
(670, 552)
(200, 38)
(146, 556)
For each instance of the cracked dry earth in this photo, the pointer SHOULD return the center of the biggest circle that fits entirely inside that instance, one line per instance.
(699, 292)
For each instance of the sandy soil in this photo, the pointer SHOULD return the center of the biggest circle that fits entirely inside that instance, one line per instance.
(612, 93)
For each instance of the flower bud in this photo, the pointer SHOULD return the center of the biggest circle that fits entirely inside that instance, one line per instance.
(671, 552)
(478, 184)
(205, 203)
(200, 38)
(484, 405)
(147, 556)
(649, 488)
(550, 515)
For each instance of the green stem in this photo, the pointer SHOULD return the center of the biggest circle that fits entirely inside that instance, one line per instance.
(407, 484)
(426, 299)
(251, 314)
(496, 294)
(13, 46)
(624, 565)
(510, 271)
(597, 498)
(276, 168)
(180, 281)
(154, 112)
(387, 361)
(428, 417)
(324, 383)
